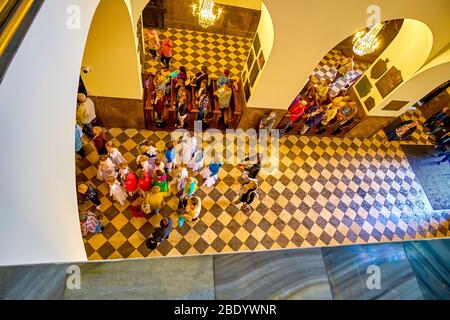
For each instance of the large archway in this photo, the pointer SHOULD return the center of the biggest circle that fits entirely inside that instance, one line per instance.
(110, 53)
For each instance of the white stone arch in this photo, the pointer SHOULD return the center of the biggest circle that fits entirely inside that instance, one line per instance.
(421, 83)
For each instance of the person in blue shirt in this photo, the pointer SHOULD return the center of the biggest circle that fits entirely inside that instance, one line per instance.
(169, 155)
(78, 141)
(211, 174)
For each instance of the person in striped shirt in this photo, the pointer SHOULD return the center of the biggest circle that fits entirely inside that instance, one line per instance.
(90, 223)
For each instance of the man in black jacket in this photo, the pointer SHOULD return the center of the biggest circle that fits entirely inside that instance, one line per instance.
(160, 234)
(251, 172)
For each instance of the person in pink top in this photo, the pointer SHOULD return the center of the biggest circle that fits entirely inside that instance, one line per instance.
(166, 52)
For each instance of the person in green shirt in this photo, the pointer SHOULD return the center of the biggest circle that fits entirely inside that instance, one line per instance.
(191, 187)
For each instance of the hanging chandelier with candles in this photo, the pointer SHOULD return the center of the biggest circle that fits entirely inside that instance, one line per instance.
(367, 42)
(207, 16)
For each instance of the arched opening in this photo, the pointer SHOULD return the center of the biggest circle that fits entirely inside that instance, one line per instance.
(110, 66)
(364, 81)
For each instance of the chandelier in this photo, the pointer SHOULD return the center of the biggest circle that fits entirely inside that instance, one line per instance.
(366, 43)
(206, 13)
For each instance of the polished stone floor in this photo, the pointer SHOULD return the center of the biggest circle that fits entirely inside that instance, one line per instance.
(409, 270)
(327, 192)
(433, 177)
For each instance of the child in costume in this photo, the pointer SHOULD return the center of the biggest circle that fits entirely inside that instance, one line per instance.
(116, 190)
(106, 168)
(114, 154)
(128, 178)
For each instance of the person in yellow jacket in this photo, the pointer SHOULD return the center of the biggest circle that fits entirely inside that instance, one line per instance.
(155, 198)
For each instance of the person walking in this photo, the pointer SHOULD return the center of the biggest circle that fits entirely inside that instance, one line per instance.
(212, 173)
(151, 38)
(248, 194)
(166, 52)
(160, 234)
(251, 171)
(267, 121)
(86, 116)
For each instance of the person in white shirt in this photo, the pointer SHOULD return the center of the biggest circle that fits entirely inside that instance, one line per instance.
(86, 116)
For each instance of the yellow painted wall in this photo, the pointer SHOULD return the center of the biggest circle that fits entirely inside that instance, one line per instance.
(249, 4)
(111, 53)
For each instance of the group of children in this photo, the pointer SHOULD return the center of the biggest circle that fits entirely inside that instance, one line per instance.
(151, 180)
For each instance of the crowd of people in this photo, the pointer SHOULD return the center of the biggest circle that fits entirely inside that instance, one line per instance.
(174, 170)
(316, 109)
(160, 173)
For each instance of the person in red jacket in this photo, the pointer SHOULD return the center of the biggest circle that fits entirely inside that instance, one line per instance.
(128, 178)
(166, 52)
(296, 110)
(144, 181)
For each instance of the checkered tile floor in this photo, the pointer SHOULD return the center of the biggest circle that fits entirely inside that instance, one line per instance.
(194, 49)
(327, 192)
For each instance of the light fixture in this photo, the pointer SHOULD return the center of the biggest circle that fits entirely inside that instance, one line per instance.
(366, 43)
(207, 16)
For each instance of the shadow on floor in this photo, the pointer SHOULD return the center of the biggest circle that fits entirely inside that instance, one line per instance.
(434, 178)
